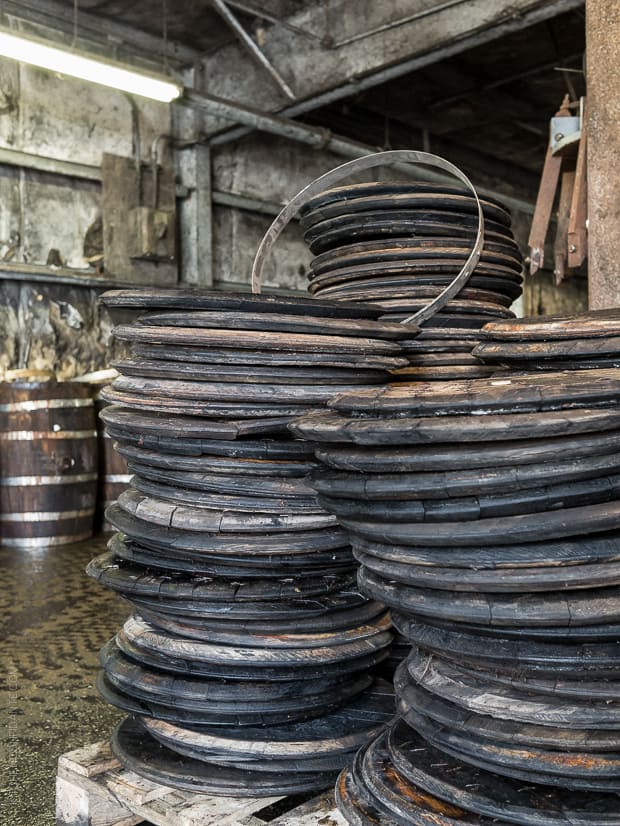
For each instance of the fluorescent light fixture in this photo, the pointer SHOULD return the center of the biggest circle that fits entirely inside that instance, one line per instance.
(38, 53)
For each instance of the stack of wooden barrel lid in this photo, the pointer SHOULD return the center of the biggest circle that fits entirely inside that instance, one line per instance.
(486, 514)
(250, 650)
(561, 342)
(399, 245)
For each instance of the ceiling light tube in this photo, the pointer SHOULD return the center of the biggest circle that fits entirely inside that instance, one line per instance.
(106, 73)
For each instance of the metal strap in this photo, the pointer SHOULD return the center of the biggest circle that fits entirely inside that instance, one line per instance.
(44, 404)
(360, 165)
(31, 435)
(33, 542)
(45, 516)
(65, 479)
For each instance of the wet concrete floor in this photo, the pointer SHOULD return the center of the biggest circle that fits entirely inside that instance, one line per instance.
(53, 620)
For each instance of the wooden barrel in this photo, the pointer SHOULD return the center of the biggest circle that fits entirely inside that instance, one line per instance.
(48, 463)
(113, 473)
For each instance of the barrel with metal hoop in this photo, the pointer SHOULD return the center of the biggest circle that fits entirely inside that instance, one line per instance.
(48, 463)
(114, 476)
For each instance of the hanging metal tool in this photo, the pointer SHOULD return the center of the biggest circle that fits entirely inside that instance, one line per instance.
(565, 166)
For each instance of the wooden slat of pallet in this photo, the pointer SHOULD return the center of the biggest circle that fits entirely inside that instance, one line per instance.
(92, 789)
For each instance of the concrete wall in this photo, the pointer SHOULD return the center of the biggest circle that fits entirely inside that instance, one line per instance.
(47, 325)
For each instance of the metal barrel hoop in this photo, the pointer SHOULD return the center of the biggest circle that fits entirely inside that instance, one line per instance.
(343, 171)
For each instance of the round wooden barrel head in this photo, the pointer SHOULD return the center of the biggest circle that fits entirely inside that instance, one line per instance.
(332, 360)
(241, 340)
(339, 732)
(140, 752)
(276, 323)
(188, 516)
(170, 489)
(488, 794)
(398, 195)
(333, 612)
(590, 606)
(435, 508)
(255, 469)
(593, 324)
(470, 691)
(163, 539)
(506, 286)
(210, 395)
(239, 374)
(505, 394)
(163, 423)
(134, 580)
(405, 223)
(237, 302)
(541, 351)
(429, 715)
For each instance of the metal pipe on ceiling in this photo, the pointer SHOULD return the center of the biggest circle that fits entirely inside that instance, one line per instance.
(316, 137)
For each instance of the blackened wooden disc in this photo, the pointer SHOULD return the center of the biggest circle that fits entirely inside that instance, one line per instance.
(466, 690)
(191, 517)
(398, 195)
(292, 358)
(517, 580)
(338, 732)
(221, 698)
(257, 340)
(171, 490)
(593, 324)
(122, 420)
(407, 803)
(218, 436)
(453, 312)
(577, 607)
(415, 373)
(558, 524)
(370, 638)
(406, 223)
(406, 249)
(138, 751)
(429, 713)
(487, 794)
(229, 566)
(507, 286)
(332, 612)
(233, 670)
(239, 374)
(462, 482)
(555, 349)
(580, 552)
(134, 580)
(238, 302)
(356, 805)
(440, 456)
(276, 323)
(543, 658)
(475, 430)
(161, 538)
(221, 465)
(227, 484)
(417, 291)
(266, 418)
(217, 393)
(518, 393)
(567, 495)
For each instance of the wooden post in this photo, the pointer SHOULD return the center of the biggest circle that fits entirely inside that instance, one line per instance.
(603, 81)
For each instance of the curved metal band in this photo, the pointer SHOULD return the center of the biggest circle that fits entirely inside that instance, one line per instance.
(31, 435)
(360, 165)
(34, 542)
(67, 479)
(46, 516)
(44, 404)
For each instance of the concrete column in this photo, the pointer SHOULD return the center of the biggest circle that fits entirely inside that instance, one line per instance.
(603, 128)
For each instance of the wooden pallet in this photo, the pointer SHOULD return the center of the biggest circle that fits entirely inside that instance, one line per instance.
(92, 789)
